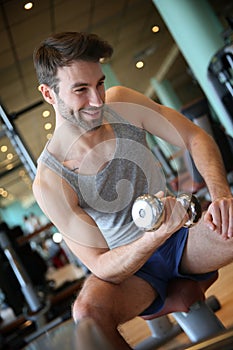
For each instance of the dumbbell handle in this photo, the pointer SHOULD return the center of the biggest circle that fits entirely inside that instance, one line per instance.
(148, 211)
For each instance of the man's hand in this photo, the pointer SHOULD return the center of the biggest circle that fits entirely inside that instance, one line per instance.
(175, 216)
(219, 217)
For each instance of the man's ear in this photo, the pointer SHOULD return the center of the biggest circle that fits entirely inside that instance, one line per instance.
(47, 93)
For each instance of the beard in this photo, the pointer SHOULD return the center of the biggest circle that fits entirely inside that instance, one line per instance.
(77, 118)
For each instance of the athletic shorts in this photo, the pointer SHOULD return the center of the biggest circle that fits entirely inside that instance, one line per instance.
(163, 266)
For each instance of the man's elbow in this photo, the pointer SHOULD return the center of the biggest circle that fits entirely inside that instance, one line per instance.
(114, 279)
(109, 275)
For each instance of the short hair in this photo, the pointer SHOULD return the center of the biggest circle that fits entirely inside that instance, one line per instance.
(62, 49)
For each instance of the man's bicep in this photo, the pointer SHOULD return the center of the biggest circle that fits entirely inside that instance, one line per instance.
(59, 202)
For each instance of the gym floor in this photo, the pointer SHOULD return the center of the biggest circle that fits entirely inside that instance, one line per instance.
(137, 330)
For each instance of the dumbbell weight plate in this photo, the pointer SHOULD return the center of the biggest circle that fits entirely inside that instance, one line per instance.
(193, 207)
(147, 212)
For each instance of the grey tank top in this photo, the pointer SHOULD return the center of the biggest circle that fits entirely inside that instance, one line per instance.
(109, 195)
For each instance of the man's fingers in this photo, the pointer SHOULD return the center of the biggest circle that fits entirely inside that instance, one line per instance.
(208, 220)
(159, 194)
(219, 217)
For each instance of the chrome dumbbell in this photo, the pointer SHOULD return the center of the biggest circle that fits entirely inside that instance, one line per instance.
(148, 211)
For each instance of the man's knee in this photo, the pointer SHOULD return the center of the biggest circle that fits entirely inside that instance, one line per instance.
(82, 308)
(91, 307)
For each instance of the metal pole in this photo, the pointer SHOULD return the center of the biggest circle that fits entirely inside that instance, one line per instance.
(21, 275)
(16, 140)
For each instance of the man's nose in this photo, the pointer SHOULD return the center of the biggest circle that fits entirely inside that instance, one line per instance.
(95, 99)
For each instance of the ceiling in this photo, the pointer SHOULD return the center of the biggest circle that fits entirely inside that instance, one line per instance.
(126, 24)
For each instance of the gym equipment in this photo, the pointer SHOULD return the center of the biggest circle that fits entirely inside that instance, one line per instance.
(85, 335)
(220, 74)
(148, 211)
(224, 340)
(60, 337)
(199, 112)
(36, 307)
(27, 289)
(89, 336)
(195, 316)
(17, 142)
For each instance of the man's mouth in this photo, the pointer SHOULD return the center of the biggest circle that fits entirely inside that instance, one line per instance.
(96, 113)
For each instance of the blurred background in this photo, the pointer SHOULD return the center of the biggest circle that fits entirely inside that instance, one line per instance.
(177, 52)
(137, 32)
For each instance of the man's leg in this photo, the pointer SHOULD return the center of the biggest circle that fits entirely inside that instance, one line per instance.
(110, 305)
(205, 251)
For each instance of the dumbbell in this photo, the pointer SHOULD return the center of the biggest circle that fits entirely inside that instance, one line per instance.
(148, 211)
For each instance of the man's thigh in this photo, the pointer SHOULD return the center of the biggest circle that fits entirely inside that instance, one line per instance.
(122, 301)
(205, 250)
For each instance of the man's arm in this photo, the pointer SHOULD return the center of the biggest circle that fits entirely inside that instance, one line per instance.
(60, 203)
(178, 130)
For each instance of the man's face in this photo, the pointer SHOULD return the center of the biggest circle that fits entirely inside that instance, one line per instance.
(81, 94)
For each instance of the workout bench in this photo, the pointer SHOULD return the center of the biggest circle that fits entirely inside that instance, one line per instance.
(187, 304)
(192, 312)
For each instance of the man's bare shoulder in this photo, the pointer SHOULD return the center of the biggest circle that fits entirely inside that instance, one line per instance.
(122, 94)
(115, 94)
(125, 94)
(132, 105)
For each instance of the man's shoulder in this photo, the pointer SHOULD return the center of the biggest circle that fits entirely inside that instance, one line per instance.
(118, 93)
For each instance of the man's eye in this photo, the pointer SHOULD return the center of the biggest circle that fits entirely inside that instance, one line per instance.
(80, 90)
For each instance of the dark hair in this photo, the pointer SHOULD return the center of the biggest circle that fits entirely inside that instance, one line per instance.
(62, 49)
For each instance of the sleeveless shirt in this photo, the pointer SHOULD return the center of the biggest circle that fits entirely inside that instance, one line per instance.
(108, 196)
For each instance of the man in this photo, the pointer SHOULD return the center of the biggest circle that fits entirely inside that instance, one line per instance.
(96, 165)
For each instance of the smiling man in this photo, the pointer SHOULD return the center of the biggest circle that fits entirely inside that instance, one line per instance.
(95, 166)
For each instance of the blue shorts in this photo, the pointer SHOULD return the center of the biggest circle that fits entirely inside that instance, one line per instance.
(163, 265)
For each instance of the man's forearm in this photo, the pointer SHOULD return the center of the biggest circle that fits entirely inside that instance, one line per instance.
(209, 163)
(118, 264)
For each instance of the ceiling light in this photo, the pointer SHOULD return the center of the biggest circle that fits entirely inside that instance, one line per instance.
(155, 29)
(22, 173)
(28, 5)
(49, 136)
(4, 148)
(46, 114)
(9, 156)
(9, 166)
(57, 237)
(139, 64)
(48, 126)
(4, 194)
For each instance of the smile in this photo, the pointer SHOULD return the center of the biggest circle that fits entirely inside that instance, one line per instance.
(93, 114)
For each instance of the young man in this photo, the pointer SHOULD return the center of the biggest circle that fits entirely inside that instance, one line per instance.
(94, 168)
